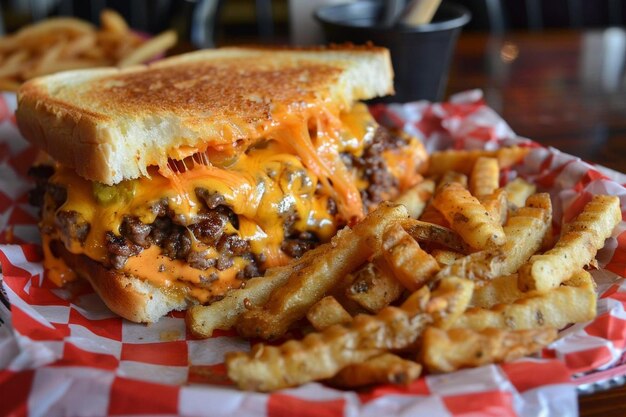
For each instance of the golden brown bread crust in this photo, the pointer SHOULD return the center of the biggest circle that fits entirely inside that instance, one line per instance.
(110, 125)
(63, 131)
(125, 295)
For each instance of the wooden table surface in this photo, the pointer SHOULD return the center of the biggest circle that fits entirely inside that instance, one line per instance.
(564, 89)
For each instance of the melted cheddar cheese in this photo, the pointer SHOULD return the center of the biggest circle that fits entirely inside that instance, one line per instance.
(297, 168)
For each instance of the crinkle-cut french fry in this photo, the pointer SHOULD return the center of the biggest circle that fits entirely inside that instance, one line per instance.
(468, 217)
(513, 155)
(112, 21)
(411, 265)
(518, 190)
(12, 65)
(374, 286)
(500, 290)
(450, 298)
(446, 257)
(524, 231)
(540, 201)
(577, 247)
(573, 302)
(423, 231)
(496, 205)
(434, 216)
(485, 176)
(430, 214)
(449, 350)
(349, 249)
(321, 355)
(223, 314)
(416, 197)
(445, 304)
(452, 176)
(327, 312)
(463, 161)
(383, 369)
(448, 301)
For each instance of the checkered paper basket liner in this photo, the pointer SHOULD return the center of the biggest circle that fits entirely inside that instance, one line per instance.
(65, 353)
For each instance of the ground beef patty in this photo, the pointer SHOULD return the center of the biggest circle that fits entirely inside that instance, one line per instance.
(373, 167)
(174, 238)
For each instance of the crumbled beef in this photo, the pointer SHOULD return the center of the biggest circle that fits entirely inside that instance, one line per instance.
(160, 230)
(199, 260)
(206, 280)
(289, 219)
(232, 245)
(296, 246)
(120, 249)
(159, 208)
(174, 235)
(209, 230)
(72, 225)
(212, 200)
(374, 168)
(177, 244)
(136, 231)
(224, 262)
(251, 270)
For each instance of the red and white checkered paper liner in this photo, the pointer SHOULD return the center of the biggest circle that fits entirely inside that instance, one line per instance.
(65, 353)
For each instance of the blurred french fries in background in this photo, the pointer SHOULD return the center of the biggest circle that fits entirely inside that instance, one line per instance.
(463, 161)
(407, 292)
(66, 43)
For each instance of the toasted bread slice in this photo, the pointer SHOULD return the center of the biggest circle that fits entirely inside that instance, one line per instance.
(110, 124)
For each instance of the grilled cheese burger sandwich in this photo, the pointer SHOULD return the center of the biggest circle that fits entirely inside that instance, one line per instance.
(175, 182)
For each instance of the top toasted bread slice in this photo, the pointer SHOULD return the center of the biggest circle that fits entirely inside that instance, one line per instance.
(111, 124)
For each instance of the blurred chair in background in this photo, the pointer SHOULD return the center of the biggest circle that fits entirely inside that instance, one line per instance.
(501, 15)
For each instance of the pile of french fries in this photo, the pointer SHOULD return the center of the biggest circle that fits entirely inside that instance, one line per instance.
(458, 272)
(65, 43)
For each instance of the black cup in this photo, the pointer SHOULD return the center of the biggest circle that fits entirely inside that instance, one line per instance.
(421, 55)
